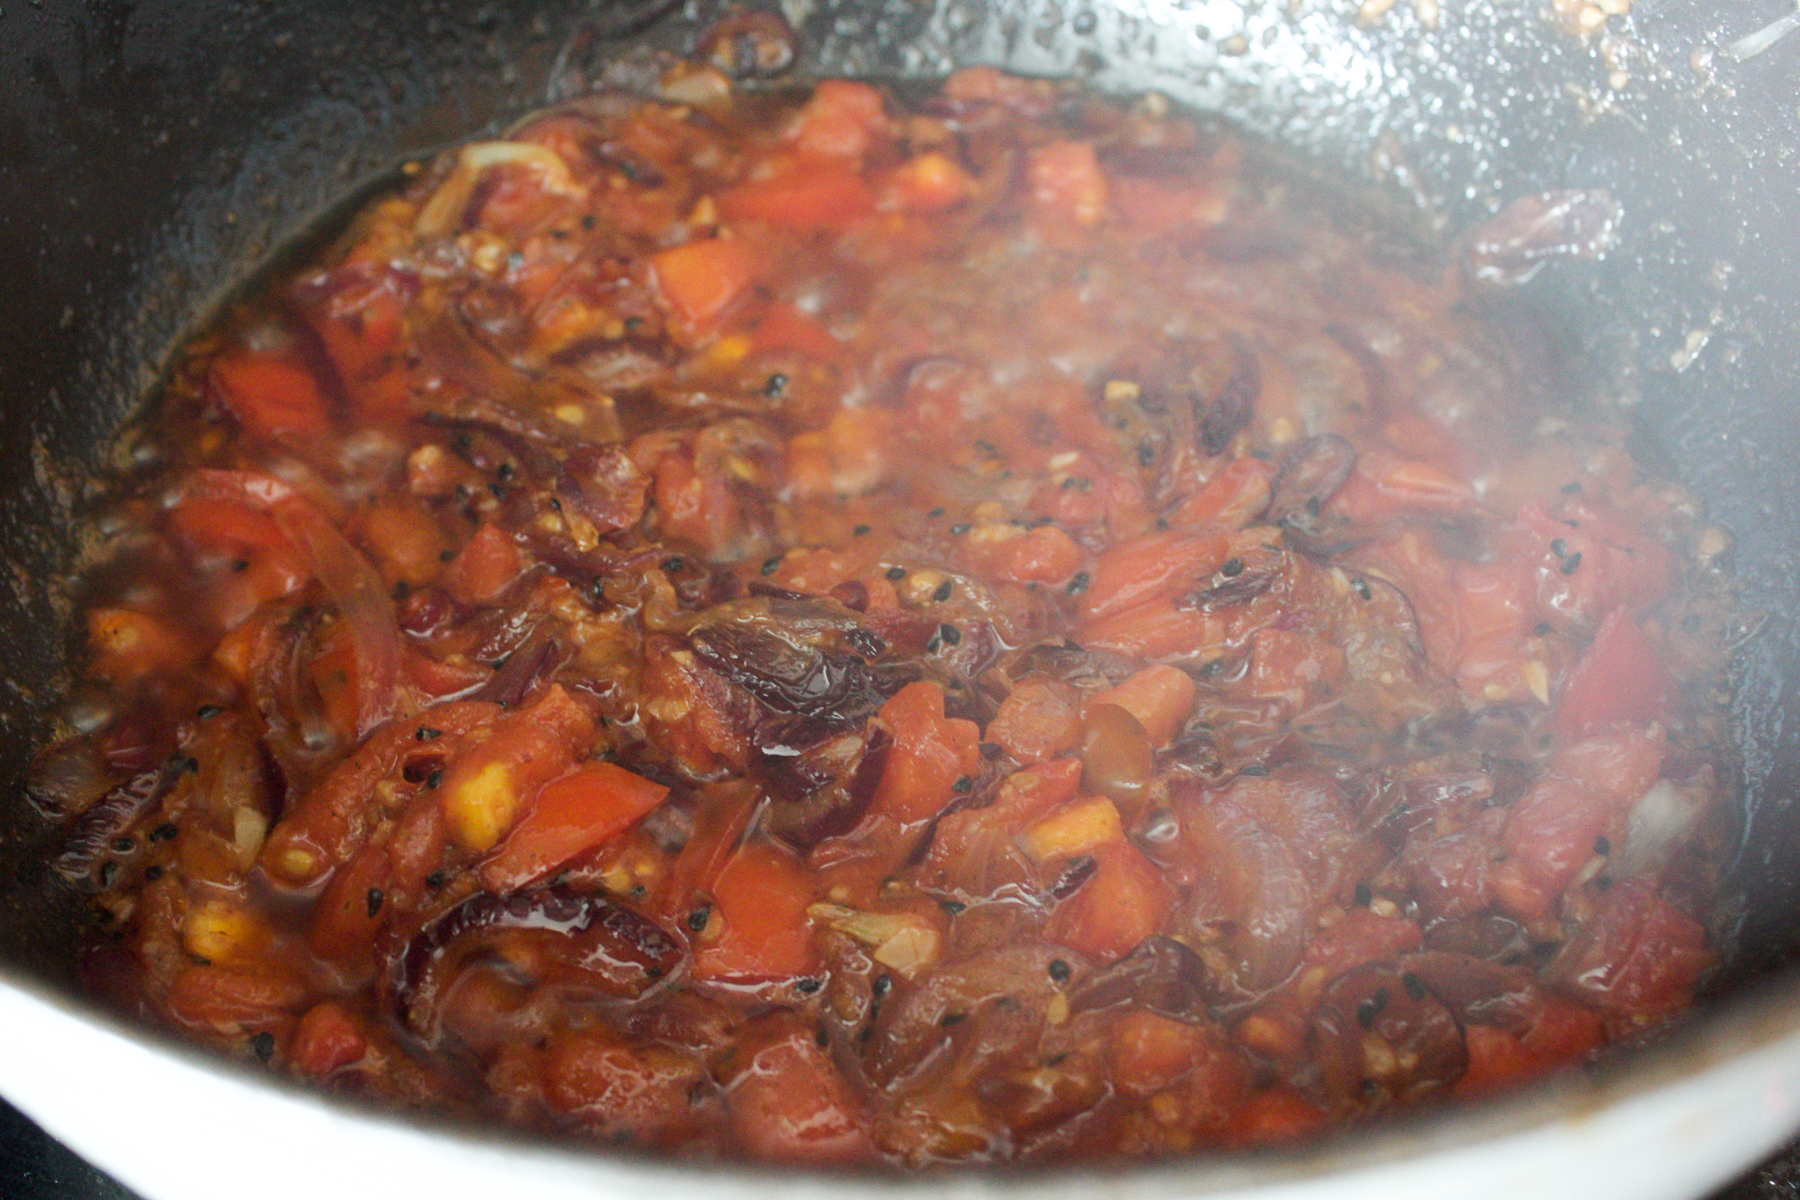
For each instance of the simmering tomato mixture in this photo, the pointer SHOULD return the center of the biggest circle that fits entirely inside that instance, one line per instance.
(818, 628)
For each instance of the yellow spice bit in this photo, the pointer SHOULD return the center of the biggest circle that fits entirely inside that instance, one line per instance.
(1119, 390)
(1072, 829)
(1537, 679)
(481, 807)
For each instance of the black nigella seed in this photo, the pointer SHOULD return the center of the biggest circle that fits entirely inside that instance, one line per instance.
(992, 750)
(208, 710)
(953, 907)
(499, 490)
(372, 902)
(1366, 1012)
(949, 634)
(1415, 987)
(949, 1019)
(697, 918)
(770, 563)
(859, 531)
(426, 735)
(1078, 584)
(1559, 547)
(437, 879)
(821, 1037)
(1364, 896)
(933, 644)
(1602, 845)
(504, 471)
(189, 765)
(882, 986)
(263, 1045)
(964, 783)
(775, 385)
(1255, 771)
(1541, 629)
(109, 871)
(1233, 568)
(123, 845)
(1146, 454)
(163, 832)
(808, 984)
(943, 591)
(1060, 970)
(152, 873)
(432, 780)
(1361, 587)
(673, 564)
(896, 573)
(1570, 488)
(959, 529)
(1571, 562)
(935, 513)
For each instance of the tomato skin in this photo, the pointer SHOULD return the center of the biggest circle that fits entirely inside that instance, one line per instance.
(930, 753)
(1617, 679)
(760, 900)
(787, 1101)
(571, 815)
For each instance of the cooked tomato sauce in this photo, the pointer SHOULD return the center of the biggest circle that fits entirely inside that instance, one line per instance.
(802, 627)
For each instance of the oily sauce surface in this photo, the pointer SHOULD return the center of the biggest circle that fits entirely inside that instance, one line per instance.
(811, 629)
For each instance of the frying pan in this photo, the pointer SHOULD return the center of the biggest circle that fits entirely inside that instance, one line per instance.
(152, 153)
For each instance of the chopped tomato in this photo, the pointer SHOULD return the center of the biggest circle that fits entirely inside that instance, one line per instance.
(1040, 719)
(1149, 1052)
(484, 791)
(1638, 956)
(784, 327)
(762, 932)
(702, 280)
(788, 1103)
(1277, 1114)
(1294, 666)
(357, 310)
(1067, 183)
(571, 816)
(1160, 697)
(929, 755)
(929, 183)
(484, 568)
(327, 1040)
(842, 119)
(127, 645)
(822, 199)
(1619, 678)
(1157, 565)
(1123, 903)
(618, 1085)
(270, 395)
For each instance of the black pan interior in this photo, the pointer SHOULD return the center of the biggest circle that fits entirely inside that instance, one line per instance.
(152, 153)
